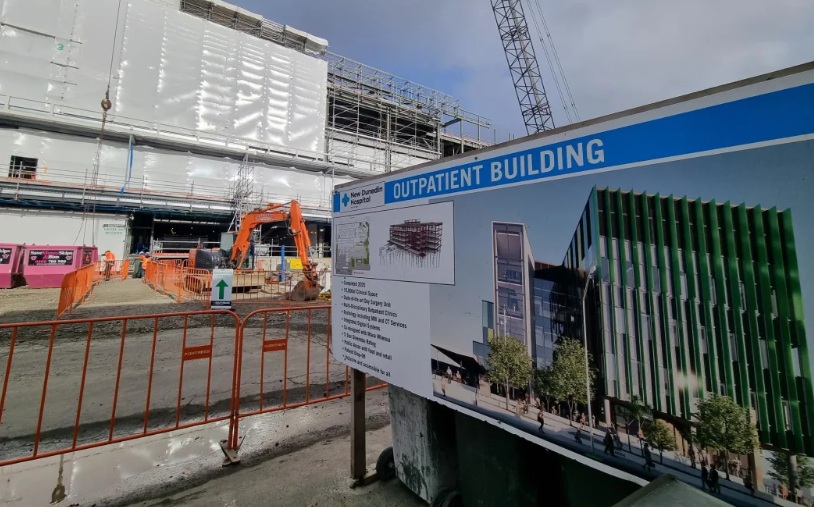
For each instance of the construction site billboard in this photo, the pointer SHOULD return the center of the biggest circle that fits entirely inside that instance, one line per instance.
(610, 288)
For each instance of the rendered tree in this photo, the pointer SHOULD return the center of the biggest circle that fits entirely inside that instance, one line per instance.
(780, 471)
(634, 410)
(659, 434)
(509, 363)
(568, 375)
(725, 426)
(543, 383)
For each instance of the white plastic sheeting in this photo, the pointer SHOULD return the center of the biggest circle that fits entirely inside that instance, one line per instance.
(64, 228)
(68, 160)
(169, 68)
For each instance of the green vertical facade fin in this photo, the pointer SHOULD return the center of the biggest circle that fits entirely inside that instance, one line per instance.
(655, 342)
(721, 331)
(667, 341)
(751, 332)
(620, 219)
(705, 294)
(766, 237)
(734, 301)
(677, 303)
(637, 284)
(693, 340)
(798, 334)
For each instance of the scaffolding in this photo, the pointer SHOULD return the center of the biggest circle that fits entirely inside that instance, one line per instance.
(243, 198)
(387, 122)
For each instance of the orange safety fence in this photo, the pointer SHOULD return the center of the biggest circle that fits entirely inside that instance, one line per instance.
(248, 286)
(114, 269)
(272, 286)
(75, 287)
(288, 348)
(166, 277)
(78, 284)
(109, 380)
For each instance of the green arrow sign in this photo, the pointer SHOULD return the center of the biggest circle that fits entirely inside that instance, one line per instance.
(221, 285)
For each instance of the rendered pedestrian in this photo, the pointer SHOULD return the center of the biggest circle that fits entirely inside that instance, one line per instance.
(714, 483)
(704, 475)
(648, 458)
(608, 441)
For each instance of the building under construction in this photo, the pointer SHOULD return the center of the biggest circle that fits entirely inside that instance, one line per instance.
(416, 237)
(130, 124)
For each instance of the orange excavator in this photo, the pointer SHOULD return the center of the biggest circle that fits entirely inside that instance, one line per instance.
(306, 290)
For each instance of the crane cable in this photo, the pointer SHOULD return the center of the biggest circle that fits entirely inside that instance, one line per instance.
(554, 75)
(557, 60)
(106, 105)
(553, 59)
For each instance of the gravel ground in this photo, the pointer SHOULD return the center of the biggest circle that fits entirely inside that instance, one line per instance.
(113, 298)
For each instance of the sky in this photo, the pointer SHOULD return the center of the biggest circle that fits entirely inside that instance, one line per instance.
(616, 55)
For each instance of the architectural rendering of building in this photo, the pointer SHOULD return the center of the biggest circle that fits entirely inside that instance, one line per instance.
(514, 269)
(686, 298)
(418, 238)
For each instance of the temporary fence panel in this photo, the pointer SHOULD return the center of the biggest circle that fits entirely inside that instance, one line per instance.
(77, 384)
(286, 362)
(114, 269)
(166, 277)
(75, 287)
(249, 286)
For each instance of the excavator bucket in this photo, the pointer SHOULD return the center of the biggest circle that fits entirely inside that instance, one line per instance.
(304, 291)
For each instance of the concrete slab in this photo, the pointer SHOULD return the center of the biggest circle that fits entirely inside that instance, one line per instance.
(317, 475)
(165, 465)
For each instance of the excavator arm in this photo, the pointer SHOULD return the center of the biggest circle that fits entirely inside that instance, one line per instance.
(302, 240)
(269, 214)
(292, 214)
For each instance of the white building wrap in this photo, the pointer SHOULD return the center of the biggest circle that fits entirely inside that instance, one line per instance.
(107, 232)
(169, 68)
(65, 159)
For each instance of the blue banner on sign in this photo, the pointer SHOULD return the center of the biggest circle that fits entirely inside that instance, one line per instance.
(772, 116)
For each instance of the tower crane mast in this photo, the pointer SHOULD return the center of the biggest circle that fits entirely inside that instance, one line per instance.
(523, 66)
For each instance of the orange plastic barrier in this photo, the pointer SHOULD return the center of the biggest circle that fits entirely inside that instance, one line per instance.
(166, 277)
(114, 269)
(249, 286)
(171, 371)
(76, 286)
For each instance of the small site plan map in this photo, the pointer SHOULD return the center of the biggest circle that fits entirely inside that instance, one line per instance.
(353, 247)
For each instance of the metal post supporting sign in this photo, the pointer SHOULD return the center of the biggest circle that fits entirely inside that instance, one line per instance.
(221, 297)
